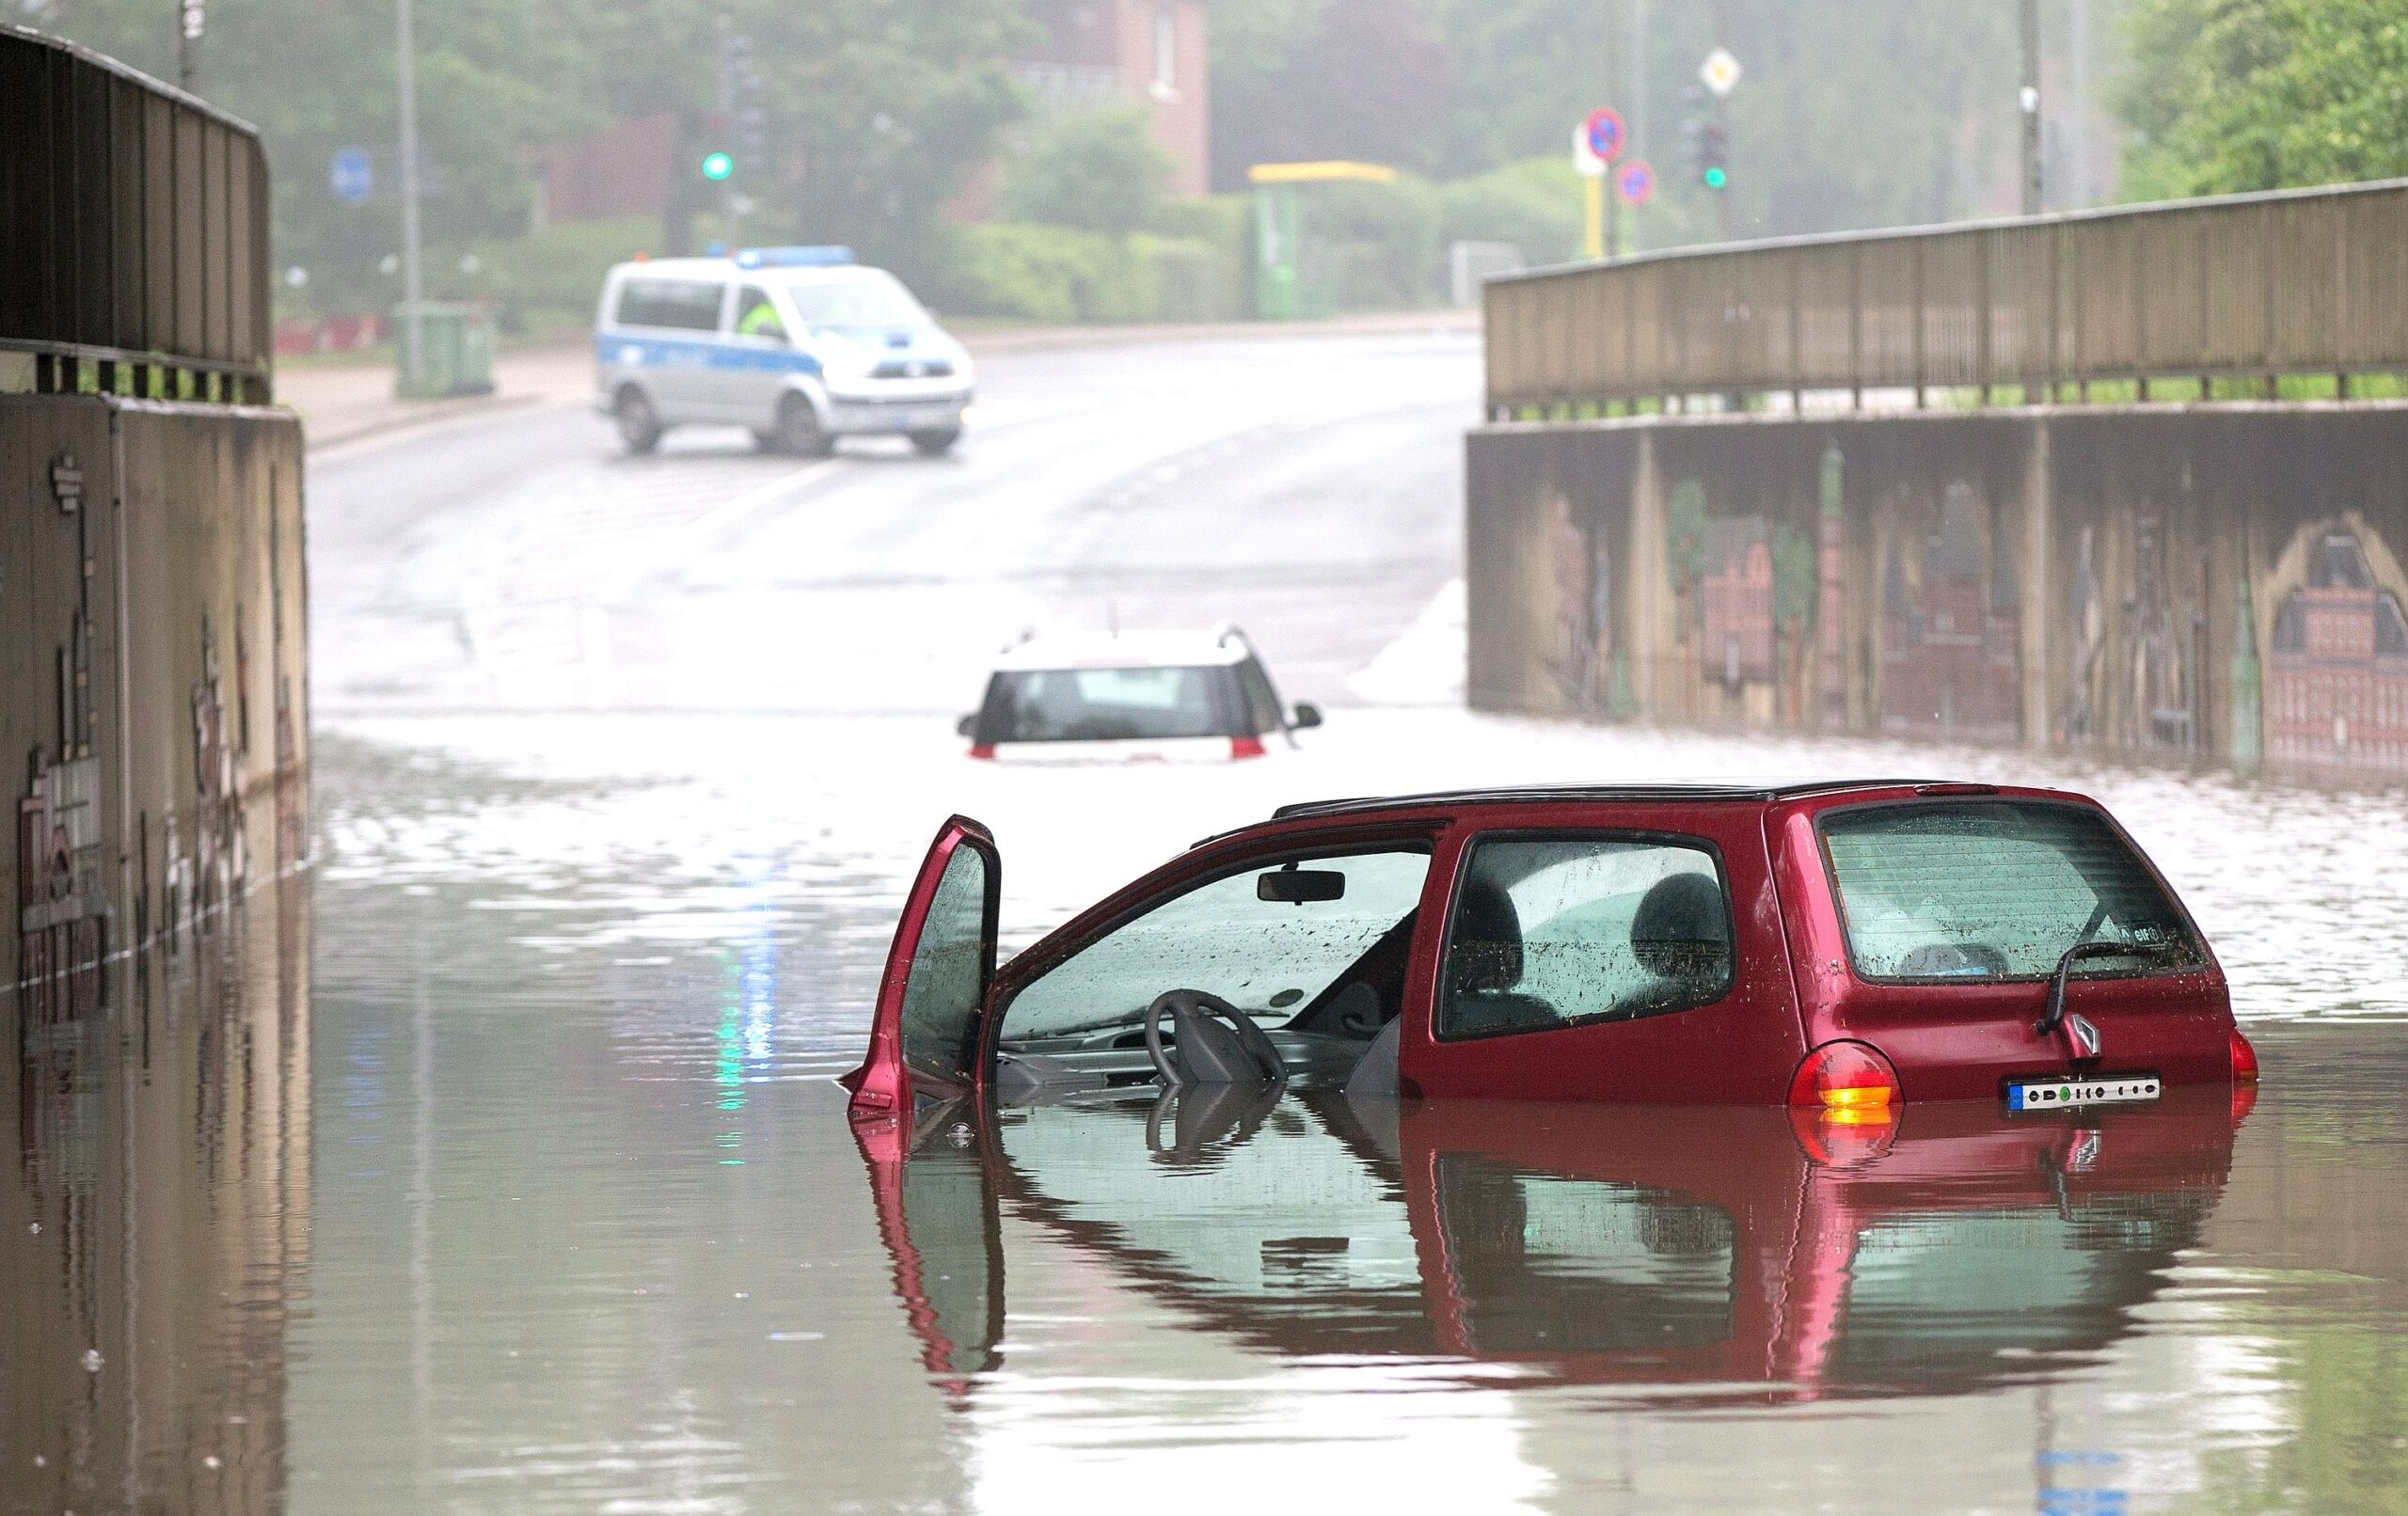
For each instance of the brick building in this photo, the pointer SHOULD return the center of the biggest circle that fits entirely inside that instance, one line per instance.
(1149, 52)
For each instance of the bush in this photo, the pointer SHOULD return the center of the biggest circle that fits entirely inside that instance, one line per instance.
(1062, 274)
(545, 281)
(1093, 170)
(1535, 204)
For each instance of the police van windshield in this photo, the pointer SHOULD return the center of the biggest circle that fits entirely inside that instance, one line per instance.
(865, 299)
(1105, 704)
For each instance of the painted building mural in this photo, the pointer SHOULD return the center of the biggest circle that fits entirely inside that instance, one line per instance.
(2337, 661)
(2187, 587)
(1952, 627)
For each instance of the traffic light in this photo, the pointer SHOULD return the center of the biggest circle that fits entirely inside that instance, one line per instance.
(718, 166)
(1714, 156)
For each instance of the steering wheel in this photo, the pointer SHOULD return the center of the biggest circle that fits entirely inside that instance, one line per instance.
(1192, 1013)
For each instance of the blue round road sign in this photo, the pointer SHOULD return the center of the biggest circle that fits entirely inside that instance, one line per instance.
(1636, 184)
(353, 174)
(1604, 133)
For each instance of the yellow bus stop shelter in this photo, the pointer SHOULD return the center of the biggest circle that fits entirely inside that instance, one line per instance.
(1282, 289)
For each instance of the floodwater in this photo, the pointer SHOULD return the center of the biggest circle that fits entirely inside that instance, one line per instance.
(492, 1166)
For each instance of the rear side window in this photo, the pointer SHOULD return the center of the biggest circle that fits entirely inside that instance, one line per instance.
(1558, 931)
(1106, 704)
(1996, 890)
(683, 304)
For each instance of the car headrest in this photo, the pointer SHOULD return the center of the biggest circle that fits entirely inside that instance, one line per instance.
(1486, 956)
(1680, 930)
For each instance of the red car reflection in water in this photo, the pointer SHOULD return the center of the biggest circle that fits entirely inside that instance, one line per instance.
(1699, 1257)
(1848, 948)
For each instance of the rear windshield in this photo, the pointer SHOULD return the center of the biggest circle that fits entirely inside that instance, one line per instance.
(1103, 704)
(1996, 890)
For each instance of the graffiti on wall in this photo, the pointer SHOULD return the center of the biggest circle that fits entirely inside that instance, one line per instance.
(1747, 588)
(1584, 662)
(2336, 663)
(62, 907)
(1951, 628)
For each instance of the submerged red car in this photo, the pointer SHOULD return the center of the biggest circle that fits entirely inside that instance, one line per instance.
(1845, 947)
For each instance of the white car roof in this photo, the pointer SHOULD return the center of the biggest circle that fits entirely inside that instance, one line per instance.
(1127, 650)
(728, 268)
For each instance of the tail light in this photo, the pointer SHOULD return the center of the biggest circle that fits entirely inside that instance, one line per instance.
(983, 749)
(2245, 1060)
(1848, 1083)
(1245, 747)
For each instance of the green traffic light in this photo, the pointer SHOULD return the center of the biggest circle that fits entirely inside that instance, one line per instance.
(1717, 178)
(718, 166)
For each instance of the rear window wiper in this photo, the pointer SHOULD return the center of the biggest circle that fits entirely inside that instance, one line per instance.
(2053, 1015)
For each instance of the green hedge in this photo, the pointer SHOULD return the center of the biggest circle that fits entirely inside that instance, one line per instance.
(1059, 274)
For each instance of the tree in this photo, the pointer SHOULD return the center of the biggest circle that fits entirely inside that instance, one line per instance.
(876, 110)
(2265, 94)
(1097, 171)
(1363, 79)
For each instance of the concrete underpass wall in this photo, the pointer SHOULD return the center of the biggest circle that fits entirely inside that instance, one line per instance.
(153, 649)
(2220, 583)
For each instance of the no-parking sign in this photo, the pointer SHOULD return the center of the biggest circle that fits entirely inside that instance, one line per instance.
(1636, 184)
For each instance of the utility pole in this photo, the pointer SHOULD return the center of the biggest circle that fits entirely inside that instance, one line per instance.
(2029, 98)
(1723, 116)
(2078, 118)
(192, 19)
(413, 286)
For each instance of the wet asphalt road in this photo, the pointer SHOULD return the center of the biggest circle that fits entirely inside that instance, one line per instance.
(621, 768)
(1308, 488)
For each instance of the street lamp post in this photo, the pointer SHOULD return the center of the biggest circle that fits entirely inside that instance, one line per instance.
(413, 285)
(2029, 98)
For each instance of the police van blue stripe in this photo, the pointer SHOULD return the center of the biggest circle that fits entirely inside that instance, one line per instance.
(631, 350)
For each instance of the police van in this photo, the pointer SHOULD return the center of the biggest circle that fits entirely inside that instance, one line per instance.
(801, 344)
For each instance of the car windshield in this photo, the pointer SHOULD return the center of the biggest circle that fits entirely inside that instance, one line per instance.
(1995, 890)
(869, 299)
(1101, 705)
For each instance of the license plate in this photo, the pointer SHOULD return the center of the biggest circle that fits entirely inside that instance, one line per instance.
(2062, 1094)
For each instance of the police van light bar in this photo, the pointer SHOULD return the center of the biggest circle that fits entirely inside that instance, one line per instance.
(793, 257)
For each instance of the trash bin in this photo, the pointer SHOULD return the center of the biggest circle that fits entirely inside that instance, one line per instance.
(455, 351)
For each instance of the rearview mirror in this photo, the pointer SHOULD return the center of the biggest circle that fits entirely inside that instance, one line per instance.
(1300, 887)
(967, 726)
(1307, 714)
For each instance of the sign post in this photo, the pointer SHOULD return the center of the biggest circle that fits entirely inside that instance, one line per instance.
(1596, 143)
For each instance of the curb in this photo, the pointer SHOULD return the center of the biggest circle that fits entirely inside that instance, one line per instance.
(437, 414)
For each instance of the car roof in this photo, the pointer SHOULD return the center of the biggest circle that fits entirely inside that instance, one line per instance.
(1634, 794)
(727, 269)
(1127, 650)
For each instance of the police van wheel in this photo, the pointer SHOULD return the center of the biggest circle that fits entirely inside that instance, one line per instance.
(936, 444)
(799, 430)
(638, 423)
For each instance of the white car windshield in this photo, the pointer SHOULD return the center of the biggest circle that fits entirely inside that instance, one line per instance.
(867, 299)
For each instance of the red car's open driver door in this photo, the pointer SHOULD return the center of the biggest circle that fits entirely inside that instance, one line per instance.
(925, 1031)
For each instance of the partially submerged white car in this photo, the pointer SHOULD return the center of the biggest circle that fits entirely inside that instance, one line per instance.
(1167, 697)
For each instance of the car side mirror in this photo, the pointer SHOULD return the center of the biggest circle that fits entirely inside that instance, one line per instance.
(967, 726)
(1307, 714)
(1300, 887)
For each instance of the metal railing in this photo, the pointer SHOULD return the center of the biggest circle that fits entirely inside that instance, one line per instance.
(2246, 286)
(134, 249)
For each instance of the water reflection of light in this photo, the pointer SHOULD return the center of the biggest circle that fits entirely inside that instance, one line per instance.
(748, 1000)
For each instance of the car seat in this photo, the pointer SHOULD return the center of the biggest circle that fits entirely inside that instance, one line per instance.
(1484, 963)
(1681, 936)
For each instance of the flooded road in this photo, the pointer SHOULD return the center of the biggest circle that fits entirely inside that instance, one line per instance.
(494, 1165)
